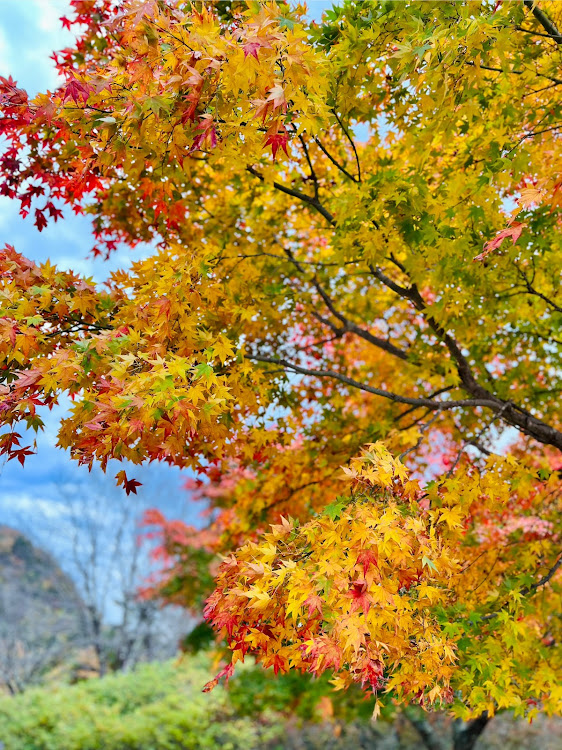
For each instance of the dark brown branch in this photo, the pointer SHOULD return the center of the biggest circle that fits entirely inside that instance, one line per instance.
(350, 139)
(423, 430)
(544, 580)
(311, 200)
(533, 32)
(342, 169)
(77, 327)
(544, 20)
(475, 439)
(313, 175)
(557, 81)
(511, 413)
(531, 290)
(348, 326)
(427, 402)
(431, 395)
(353, 328)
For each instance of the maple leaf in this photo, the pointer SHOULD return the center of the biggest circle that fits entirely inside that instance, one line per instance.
(528, 196)
(336, 508)
(277, 97)
(145, 8)
(21, 454)
(277, 137)
(359, 594)
(373, 674)
(211, 685)
(513, 231)
(78, 91)
(278, 663)
(226, 672)
(40, 220)
(54, 212)
(376, 711)
(226, 620)
(314, 603)
(325, 653)
(209, 134)
(8, 440)
(251, 48)
(366, 558)
(129, 485)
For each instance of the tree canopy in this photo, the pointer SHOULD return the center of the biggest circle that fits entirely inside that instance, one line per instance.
(349, 249)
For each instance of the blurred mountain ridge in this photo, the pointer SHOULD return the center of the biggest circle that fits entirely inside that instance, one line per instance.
(41, 612)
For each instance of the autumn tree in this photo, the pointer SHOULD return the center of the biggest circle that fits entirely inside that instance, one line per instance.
(109, 559)
(351, 256)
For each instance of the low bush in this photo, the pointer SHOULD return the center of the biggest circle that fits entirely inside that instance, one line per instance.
(156, 707)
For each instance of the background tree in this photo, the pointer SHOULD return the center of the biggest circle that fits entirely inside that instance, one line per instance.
(309, 296)
(108, 558)
(111, 561)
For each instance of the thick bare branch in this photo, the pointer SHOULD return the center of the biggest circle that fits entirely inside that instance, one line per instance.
(427, 402)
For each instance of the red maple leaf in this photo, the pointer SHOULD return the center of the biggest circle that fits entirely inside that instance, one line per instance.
(314, 603)
(360, 596)
(77, 91)
(251, 48)
(326, 653)
(40, 220)
(373, 673)
(209, 134)
(225, 620)
(226, 673)
(513, 231)
(21, 454)
(8, 440)
(277, 137)
(54, 212)
(276, 661)
(129, 485)
(367, 557)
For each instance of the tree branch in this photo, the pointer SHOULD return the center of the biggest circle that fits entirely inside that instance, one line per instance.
(313, 175)
(465, 734)
(557, 81)
(353, 328)
(526, 590)
(512, 414)
(309, 199)
(427, 402)
(429, 736)
(544, 20)
(342, 169)
(350, 139)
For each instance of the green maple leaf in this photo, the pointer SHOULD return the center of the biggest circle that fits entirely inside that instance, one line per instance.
(335, 509)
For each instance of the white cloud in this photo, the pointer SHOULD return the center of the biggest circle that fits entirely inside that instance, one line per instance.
(32, 30)
(26, 505)
(47, 14)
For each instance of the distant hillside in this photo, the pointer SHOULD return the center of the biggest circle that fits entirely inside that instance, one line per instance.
(40, 611)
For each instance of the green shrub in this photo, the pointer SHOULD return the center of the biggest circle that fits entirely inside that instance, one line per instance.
(156, 707)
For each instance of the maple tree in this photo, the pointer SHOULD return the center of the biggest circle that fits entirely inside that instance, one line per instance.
(350, 256)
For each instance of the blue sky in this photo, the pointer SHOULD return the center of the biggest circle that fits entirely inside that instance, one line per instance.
(32, 498)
